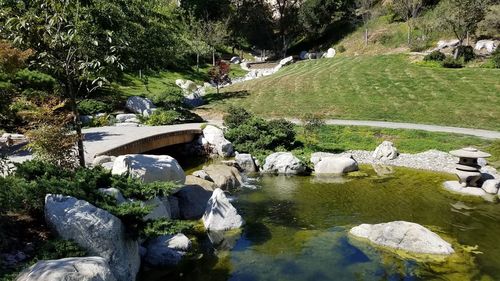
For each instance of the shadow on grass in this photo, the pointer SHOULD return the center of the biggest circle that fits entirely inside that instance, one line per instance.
(214, 97)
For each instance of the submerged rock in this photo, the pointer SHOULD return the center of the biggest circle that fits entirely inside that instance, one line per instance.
(69, 269)
(220, 214)
(149, 168)
(284, 163)
(402, 235)
(95, 230)
(167, 250)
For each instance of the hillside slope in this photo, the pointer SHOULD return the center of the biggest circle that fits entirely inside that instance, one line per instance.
(384, 87)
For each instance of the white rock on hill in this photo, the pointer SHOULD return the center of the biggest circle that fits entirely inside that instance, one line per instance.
(95, 230)
(283, 163)
(220, 214)
(140, 105)
(215, 138)
(149, 168)
(330, 53)
(286, 61)
(402, 235)
(68, 269)
(489, 45)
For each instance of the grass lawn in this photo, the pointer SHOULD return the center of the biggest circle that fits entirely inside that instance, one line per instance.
(132, 85)
(342, 138)
(383, 87)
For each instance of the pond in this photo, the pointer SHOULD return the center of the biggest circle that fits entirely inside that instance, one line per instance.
(297, 230)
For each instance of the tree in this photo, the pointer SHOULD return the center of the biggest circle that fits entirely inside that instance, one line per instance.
(316, 16)
(69, 45)
(215, 35)
(408, 10)
(194, 37)
(490, 25)
(286, 15)
(462, 17)
(364, 10)
(219, 74)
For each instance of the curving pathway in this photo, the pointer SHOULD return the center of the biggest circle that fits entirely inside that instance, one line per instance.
(487, 134)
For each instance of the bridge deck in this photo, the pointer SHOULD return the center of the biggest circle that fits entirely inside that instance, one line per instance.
(122, 140)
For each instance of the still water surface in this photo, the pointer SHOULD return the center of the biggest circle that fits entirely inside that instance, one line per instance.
(297, 230)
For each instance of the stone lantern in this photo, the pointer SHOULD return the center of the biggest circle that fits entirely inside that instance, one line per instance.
(467, 168)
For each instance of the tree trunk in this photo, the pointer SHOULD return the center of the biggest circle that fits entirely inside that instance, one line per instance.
(213, 57)
(77, 123)
(409, 33)
(197, 62)
(366, 36)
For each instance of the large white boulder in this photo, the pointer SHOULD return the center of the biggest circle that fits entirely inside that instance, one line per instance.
(283, 163)
(68, 269)
(286, 61)
(187, 85)
(149, 168)
(330, 53)
(95, 230)
(447, 44)
(385, 151)
(215, 138)
(167, 250)
(220, 214)
(224, 176)
(336, 165)
(489, 45)
(402, 235)
(120, 118)
(246, 162)
(235, 60)
(140, 105)
(192, 201)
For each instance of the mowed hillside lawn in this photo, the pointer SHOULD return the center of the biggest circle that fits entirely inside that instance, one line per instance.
(383, 87)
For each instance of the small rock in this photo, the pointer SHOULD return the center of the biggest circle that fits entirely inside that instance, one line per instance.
(120, 118)
(220, 214)
(246, 162)
(167, 250)
(159, 210)
(283, 163)
(99, 160)
(113, 192)
(330, 53)
(491, 186)
(223, 176)
(202, 175)
(385, 151)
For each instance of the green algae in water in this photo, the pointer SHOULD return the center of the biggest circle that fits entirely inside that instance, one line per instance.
(297, 230)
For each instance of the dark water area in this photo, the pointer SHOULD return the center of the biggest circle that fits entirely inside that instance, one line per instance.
(297, 229)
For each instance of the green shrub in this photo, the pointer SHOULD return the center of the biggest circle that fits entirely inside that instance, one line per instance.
(236, 116)
(171, 98)
(92, 107)
(101, 121)
(435, 56)
(165, 226)
(466, 53)
(34, 79)
(341, 49)
(258, 136)
(495, 58)
(163, 117)
(450, 62)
